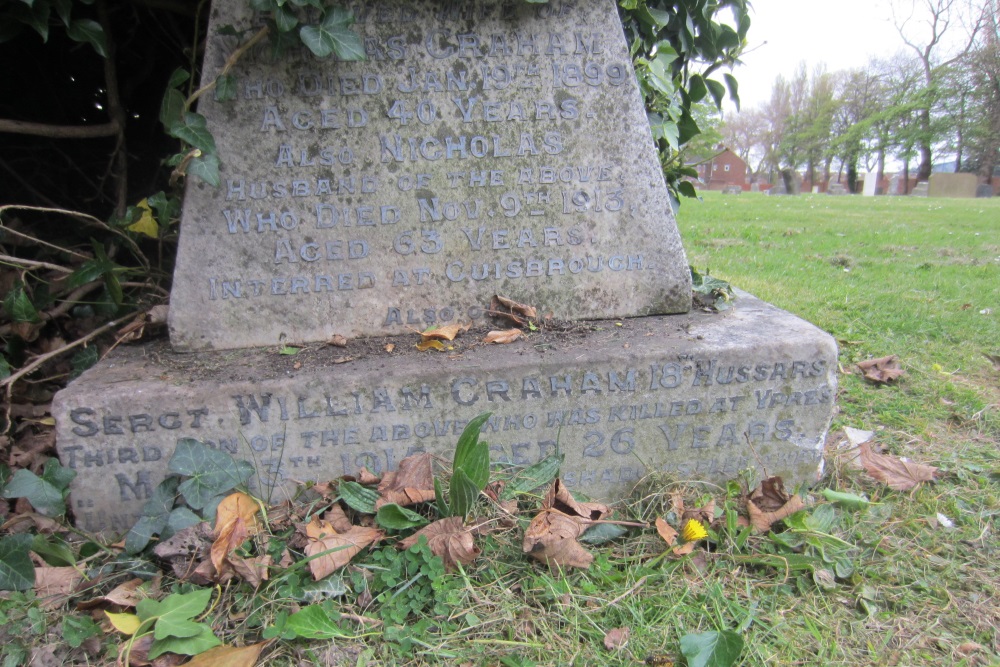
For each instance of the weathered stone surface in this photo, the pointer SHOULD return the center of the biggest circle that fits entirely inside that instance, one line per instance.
(484, 147)
(953, 185)
(683, 393)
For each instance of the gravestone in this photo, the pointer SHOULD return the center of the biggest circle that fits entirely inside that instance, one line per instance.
(732, 190)
(920, 189)
(984, 190)
(477, 150)
(836, 189)
(483, 148)
(953, 185)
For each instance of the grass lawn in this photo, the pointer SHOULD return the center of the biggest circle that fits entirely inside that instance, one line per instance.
(908, 579)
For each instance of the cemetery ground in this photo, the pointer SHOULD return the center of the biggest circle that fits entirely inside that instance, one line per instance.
(865, 574)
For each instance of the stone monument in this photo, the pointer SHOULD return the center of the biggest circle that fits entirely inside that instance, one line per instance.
(482, 148)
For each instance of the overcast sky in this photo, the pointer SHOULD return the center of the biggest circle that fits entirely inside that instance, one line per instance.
(783, 33)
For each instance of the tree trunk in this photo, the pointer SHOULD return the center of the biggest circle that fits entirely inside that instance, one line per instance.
(924, 169)
(906, 175)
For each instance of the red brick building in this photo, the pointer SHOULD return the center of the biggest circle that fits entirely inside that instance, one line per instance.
(724, 169)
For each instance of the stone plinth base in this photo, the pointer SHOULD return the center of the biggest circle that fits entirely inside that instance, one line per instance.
(701, 395)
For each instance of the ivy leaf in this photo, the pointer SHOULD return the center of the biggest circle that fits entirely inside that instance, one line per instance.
(313, 622)
(193, 129)
(211, 472)
(394, 517)
(225, 88)
(712, 649)
(90, 32)
(17, 573)
(176, 606)
(717, 90)
(205, 167)
(53, 550)
(19, 307)
(697, 88)
(171, 109)
(127, 624)
(734, 89)
(285, 19)
(43, 496)
(334, 35)
(155, 514)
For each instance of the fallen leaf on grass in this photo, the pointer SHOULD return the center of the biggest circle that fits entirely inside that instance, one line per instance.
(669, 535)
(337, 549)
(616, 638)
(228, 656)
(893, 471)
(411, 483)
(254, 571)
(51, 581)
(882, 370)
(503, 337)
(448, 538)
(770, 503)
(123, 595)
(235, 522)
(552, 535)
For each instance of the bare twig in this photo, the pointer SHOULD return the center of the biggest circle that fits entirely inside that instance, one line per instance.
(33, 264)
(59, 131)
(230, 61)
(42, 358)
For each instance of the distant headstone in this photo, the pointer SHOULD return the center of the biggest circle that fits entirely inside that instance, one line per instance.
(984, 190)
(953, 185)
(871, 184)
(732, 190)
(919, 190)
(836, 189)
(478, 150)
(755, 187)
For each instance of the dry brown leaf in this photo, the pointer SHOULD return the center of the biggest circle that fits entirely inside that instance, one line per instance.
(551, 538)
(448, 538)
(342, 547)
(666, 531)
(123, 595)
(390, 347)
(342, 360)
(559, 498)
(616, 639)
(770, 495)
(894, 472)
(337, 518)
(228, 656)
(447, 332)
(882, 370)
(503, 337)
(411, 483)
(51, 581)
(430, 344)
(705, 514)
(762, 520)
(519, 313)
(235, 522)
(336, 340)
(367, 478)
(254, 571)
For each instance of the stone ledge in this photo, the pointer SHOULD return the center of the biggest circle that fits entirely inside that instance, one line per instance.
(680, 393)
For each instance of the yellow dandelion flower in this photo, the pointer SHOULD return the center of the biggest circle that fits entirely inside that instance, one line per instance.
(693, 531)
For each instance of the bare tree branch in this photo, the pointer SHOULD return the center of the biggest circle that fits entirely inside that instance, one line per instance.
(59, 131)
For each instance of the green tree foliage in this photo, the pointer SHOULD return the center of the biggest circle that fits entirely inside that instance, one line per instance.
(679, 49)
